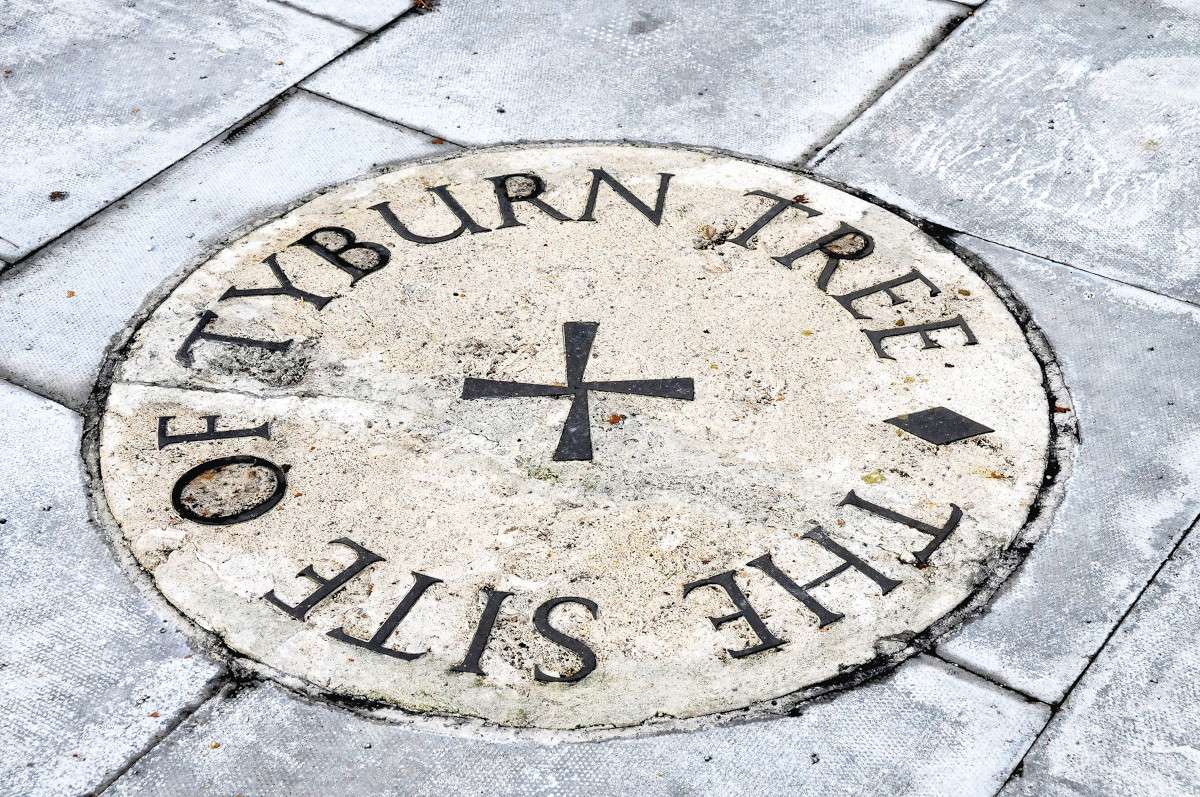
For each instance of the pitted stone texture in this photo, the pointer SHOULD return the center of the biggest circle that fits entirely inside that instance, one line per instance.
(773, 79)
(1065, 129)
(1129, 358)
(99, 95)
(926, 730)
(90, 674)
(1130, 726)
(367, 410)
(93, 280)
(362, 14)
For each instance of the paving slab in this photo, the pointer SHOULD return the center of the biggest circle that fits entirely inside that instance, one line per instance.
(100, 95)
(1131, 725)
(91, 675)
(773, 79)
(368, 15)
(93, 280)
(927, 729)
(1128, 358)
(1070, 130)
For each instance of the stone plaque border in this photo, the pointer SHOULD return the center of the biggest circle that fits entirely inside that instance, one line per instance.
(244, 671)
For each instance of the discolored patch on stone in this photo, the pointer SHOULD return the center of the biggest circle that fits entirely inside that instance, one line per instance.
(576, 437)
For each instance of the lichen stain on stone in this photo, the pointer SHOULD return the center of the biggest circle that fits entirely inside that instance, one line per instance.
(710, 236)
(542, 473)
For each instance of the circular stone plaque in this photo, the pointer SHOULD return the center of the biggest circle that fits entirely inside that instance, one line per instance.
(576, 436)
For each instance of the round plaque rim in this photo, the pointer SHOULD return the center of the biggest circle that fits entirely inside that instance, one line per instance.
(1060, 449)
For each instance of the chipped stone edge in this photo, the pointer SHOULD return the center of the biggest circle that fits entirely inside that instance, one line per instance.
(246, 671)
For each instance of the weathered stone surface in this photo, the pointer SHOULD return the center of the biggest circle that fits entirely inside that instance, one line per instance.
(926, 730)
(773, 79)
(770, 409)
(90, 675)
(1065, 129)
(362, 14)
(102, 94)
(1128, 357)
(93, 280)
(1130, 726)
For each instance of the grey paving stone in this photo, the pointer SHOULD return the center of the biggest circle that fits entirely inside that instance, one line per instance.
(99, 95)
(771, 79)
(362, 14)
(90, 675)
(928, 729)
(1129, 359)
(59, 309)
(1131, 726)
(1063, 128)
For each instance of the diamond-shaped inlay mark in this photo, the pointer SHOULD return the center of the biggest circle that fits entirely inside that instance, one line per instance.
(939, 425)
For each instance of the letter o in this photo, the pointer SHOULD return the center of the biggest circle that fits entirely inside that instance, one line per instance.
(238, 517)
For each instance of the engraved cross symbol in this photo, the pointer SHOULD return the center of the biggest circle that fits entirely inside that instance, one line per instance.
(575, 443)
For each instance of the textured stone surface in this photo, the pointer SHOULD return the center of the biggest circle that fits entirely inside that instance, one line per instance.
(1131, 725)
(90, 676)
(779, 423)
(1128, 357)
(362, 14)
(926, 730)
(1065, 129)
(966, 140)
(773, 79)
(95, 279)
(99, 95)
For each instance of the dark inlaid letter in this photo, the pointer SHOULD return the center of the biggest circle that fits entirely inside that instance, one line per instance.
(376, 257)
(165, 438)
(242, 515)
(766, 564)
(727, 582)
(200, 332)
(541, 621)
(888, 287)
(653, 214)
(465, 222)
(835, 247)
(878, 336)
(802, 593)
(939, 534)
(378, 641)
(483, 632)
(285, 288)
(328, 586)
(505, 199)
(781, 204)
